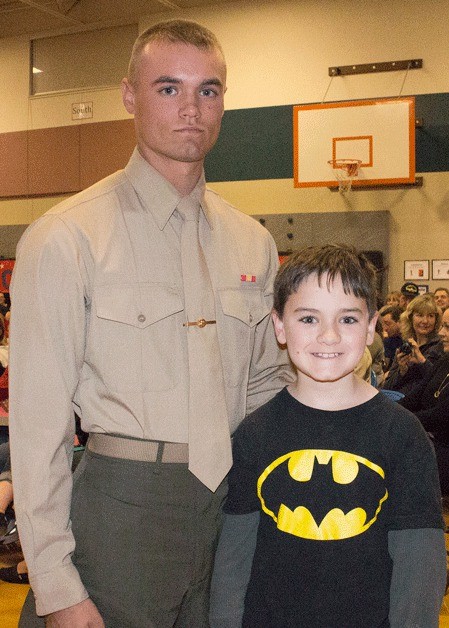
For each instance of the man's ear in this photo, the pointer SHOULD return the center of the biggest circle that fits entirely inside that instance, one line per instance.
(278, 327)
(224, 92)
(371, 329)
(128, 96)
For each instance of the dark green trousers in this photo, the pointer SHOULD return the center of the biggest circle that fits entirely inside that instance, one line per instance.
(145, 539)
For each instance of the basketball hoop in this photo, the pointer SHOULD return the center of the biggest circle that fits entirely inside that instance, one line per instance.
(345, 170)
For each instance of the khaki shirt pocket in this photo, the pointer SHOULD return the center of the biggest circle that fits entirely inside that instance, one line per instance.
(136, 337)
(243, 309)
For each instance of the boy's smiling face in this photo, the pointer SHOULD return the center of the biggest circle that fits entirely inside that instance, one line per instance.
(325, 330)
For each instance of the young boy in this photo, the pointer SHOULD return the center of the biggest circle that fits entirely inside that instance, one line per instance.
(333, 518)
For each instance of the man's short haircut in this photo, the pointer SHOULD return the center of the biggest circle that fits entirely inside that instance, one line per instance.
(441, 290)
(394, 310)
(357, 274)
(172, 31)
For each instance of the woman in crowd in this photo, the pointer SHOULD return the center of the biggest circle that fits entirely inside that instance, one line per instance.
(430, 402)
(422, 347)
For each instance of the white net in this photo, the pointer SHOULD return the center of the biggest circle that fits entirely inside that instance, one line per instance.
(345, 170)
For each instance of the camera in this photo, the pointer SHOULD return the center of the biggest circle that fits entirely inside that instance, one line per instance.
(406, 348)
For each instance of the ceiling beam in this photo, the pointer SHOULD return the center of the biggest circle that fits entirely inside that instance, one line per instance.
(170, 5)
(45, 9)
(66, 5)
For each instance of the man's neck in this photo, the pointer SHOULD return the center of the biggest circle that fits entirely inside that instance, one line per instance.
(182, 175)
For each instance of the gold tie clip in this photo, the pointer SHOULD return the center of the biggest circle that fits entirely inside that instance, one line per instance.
(201, 322)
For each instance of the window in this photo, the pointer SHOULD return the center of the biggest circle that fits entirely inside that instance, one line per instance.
(82, 60)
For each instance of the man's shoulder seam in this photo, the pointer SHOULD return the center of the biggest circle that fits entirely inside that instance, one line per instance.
(91, 194)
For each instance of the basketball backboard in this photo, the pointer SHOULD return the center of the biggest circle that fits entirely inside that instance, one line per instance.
(379, 133)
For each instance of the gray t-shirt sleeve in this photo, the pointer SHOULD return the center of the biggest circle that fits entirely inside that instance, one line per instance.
(419, 577)
(232, 570)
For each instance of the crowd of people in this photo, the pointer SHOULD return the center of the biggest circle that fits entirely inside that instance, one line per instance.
(408, 361)
(416, 340)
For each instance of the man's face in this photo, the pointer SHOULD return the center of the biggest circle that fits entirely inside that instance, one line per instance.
(326, 330)
(442, 299)
(177, 103)
(444, 331)
(390, 326)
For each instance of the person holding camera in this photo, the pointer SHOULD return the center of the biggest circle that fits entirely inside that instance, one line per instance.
(421, 348)
(430, 403)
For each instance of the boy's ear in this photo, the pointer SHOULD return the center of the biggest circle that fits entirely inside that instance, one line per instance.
(278, 327)
(371, 329)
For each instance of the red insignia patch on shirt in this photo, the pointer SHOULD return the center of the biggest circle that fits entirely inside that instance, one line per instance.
(248, 278)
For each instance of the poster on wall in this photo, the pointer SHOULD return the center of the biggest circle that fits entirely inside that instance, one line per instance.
(6, 266)
(416, 269)
(440, 269)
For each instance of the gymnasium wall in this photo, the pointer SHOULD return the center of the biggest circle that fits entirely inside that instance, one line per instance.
(278, 54)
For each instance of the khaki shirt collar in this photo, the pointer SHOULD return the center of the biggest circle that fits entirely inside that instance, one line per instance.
(156, 194)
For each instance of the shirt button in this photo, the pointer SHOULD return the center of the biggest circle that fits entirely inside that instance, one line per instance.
(141, 318)
(250, 318)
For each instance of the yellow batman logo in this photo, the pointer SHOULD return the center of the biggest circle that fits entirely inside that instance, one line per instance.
(336, 524)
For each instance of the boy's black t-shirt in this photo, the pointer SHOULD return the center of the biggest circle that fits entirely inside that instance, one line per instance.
(321, 559)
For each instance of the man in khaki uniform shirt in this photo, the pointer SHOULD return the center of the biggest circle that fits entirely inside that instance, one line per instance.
(97, 328)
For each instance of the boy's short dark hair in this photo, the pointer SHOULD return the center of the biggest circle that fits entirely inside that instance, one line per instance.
(357, 274)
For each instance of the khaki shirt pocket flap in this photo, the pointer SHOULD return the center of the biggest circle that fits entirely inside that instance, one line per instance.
(248, 305)
(137, 306)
